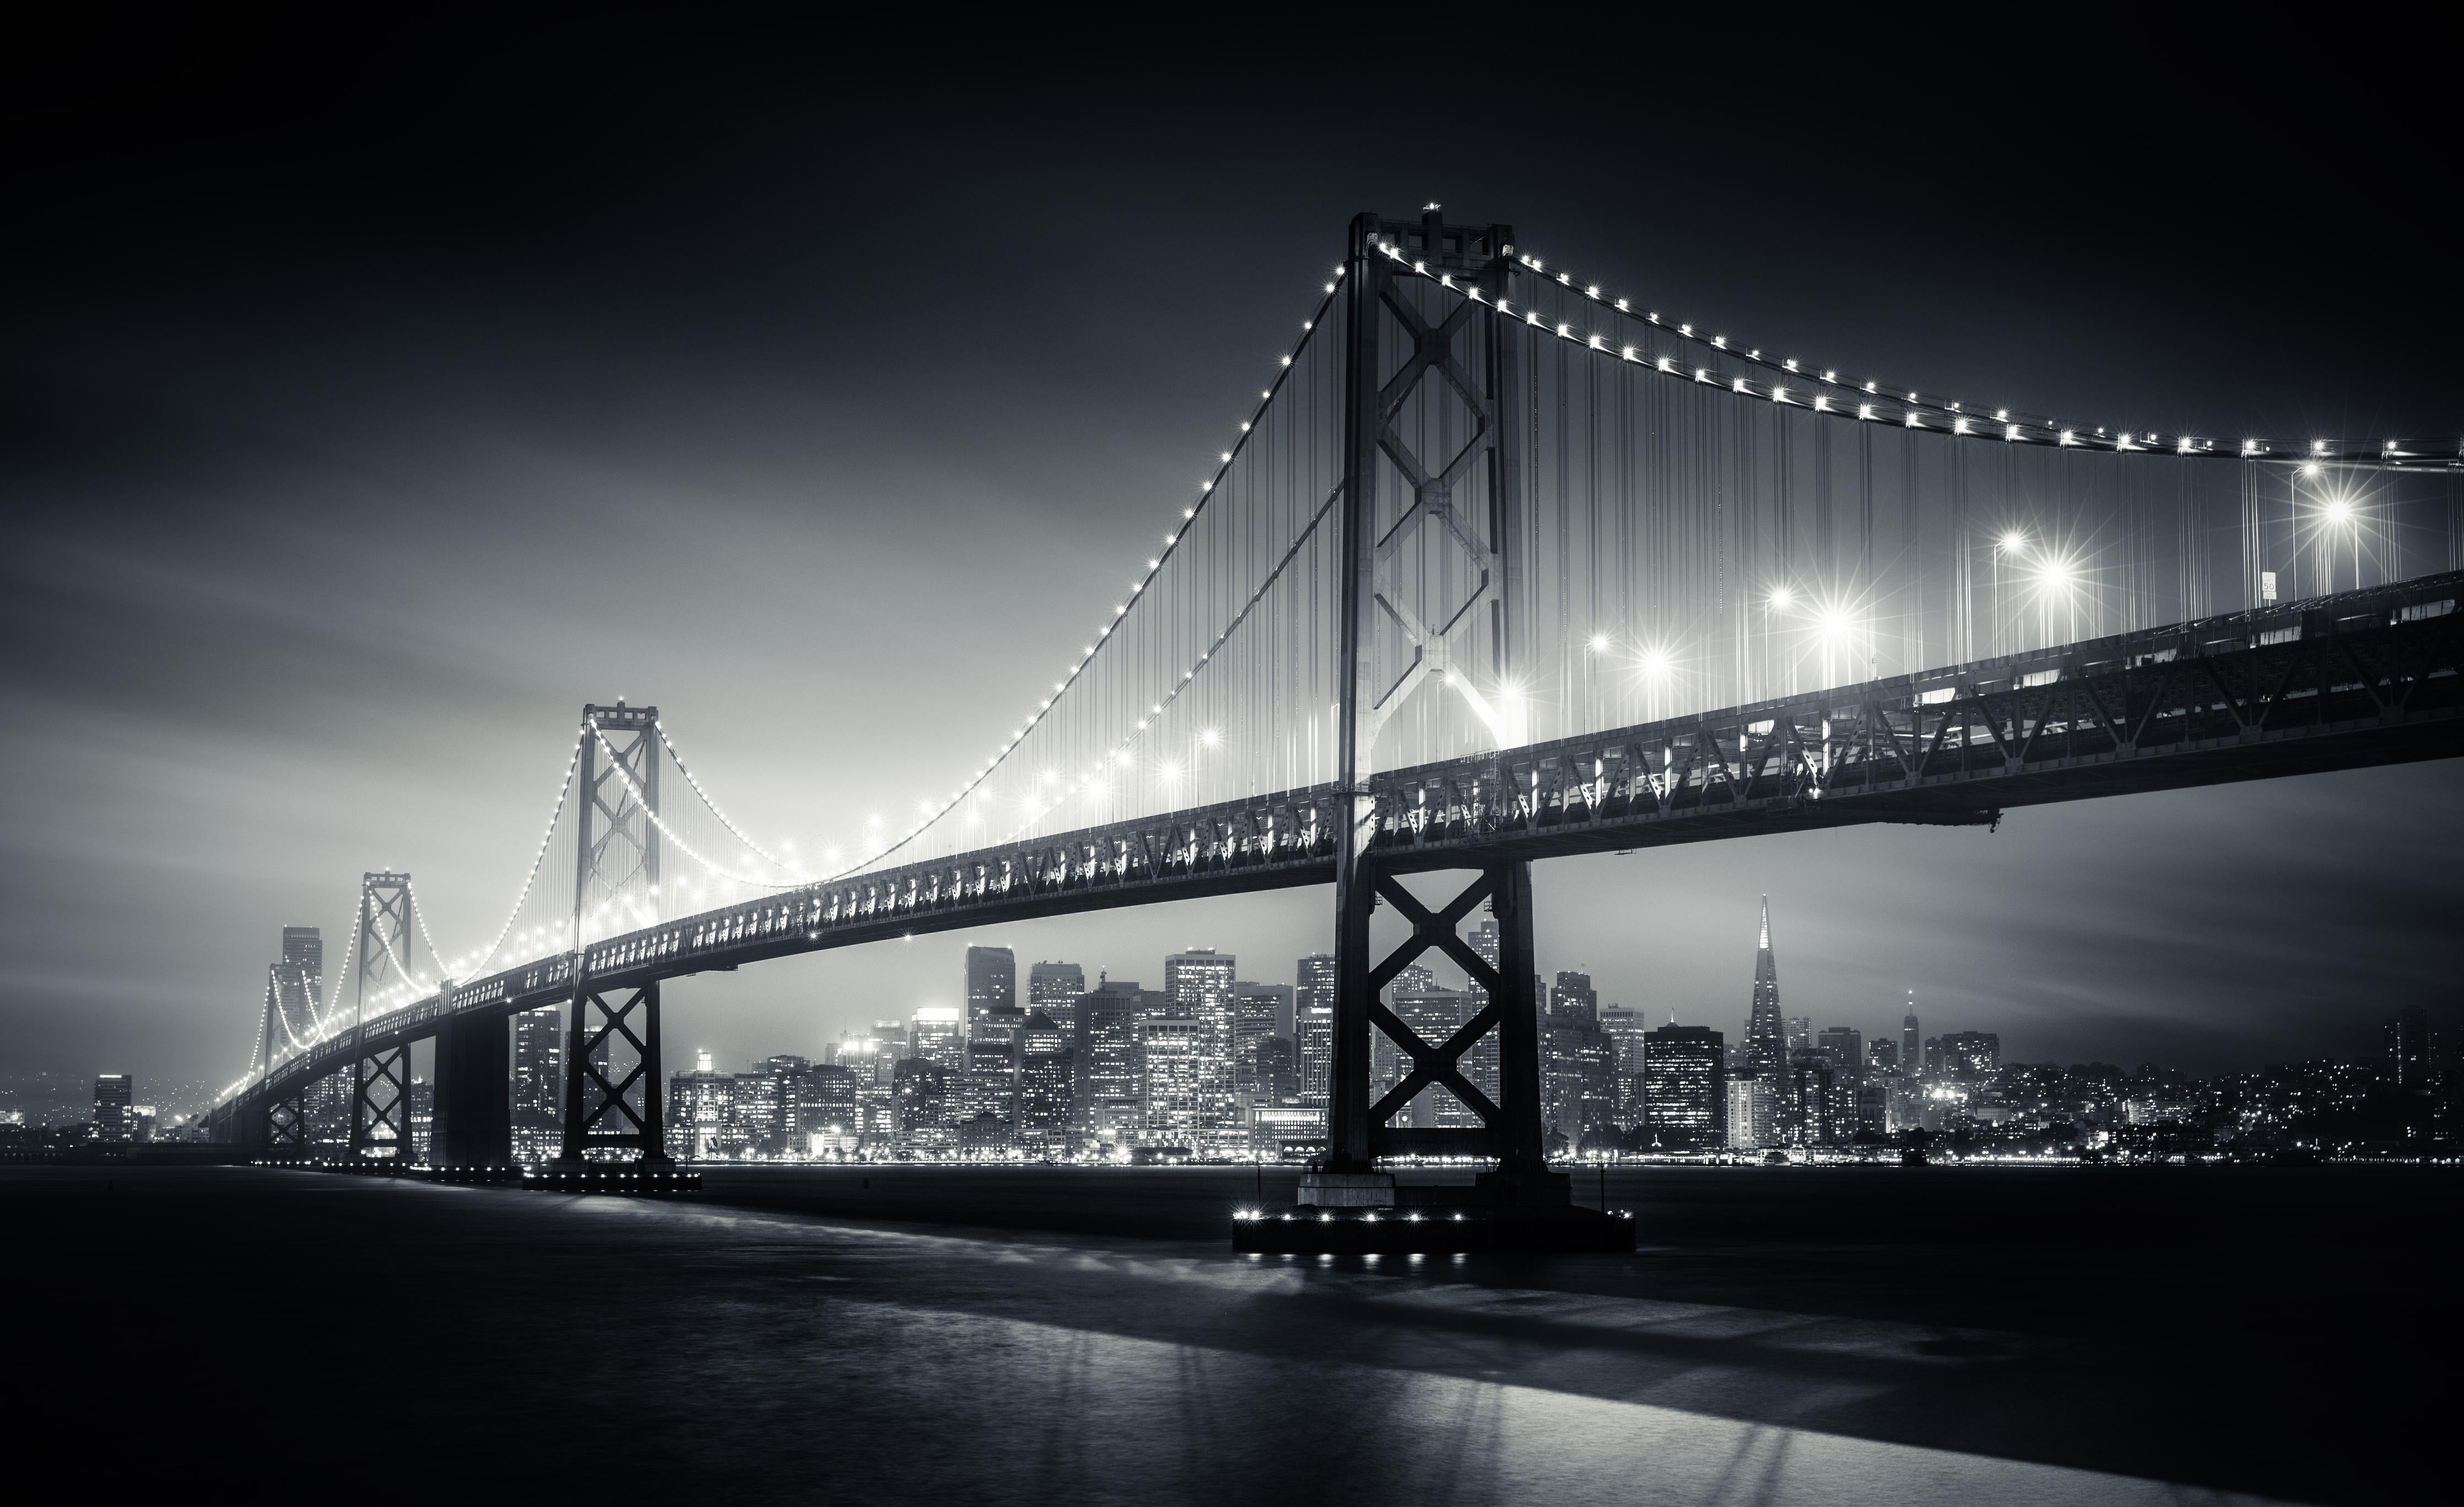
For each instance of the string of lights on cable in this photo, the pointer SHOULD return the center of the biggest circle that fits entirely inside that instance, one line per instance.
(1792, 382)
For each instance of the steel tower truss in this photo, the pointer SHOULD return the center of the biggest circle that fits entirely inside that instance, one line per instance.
(616, 844)
(1379, 386)
(380, 1107)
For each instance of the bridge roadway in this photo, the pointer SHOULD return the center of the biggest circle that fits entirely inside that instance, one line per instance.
(2355, 680)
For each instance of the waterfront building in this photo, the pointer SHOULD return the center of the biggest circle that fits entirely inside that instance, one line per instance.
(1807, 1108)
(537, 1107)
(1685, 1079)
(989, 1087)
(1753, 1105)
(1286, 1132)
(922, 1089)
(1844, 1047)
(1198, 983)
(1172, 1077)
(701, 1114)
(114, 1092)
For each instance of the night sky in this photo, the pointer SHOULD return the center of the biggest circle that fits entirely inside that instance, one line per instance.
(373, 400)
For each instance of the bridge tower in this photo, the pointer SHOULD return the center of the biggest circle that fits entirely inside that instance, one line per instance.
(1395, 357)
(616, 861)
(380, 1105)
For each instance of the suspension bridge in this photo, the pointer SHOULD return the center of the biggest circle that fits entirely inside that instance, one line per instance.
(1500, 563)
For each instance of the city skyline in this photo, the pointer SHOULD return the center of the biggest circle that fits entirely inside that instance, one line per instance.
(996, 1007)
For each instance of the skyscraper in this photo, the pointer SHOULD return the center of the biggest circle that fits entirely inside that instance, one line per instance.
(1045, 1071)
(1172, 1080)
(296, 987)
(113, 1094)
(304, 947)
(1766, 1034)
(1255, 1007)
(1104, 1067)
(1971, 1056)
(1754, 1104)
(1315, 984)
(992, 981)
(1198, 983)
(1911, 1055)
(538, 1085)
(1314, 1047)
(1575, 998)
(1685, 1087)
(2411, 1059)
(1485, 944)
(1054, 987)
(937, 1034)
(1844, 1047)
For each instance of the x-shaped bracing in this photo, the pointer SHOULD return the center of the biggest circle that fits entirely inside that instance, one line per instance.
(393, 1069)
(1433, 349)
(286, 1123)
(614, 1022)
(1439, 1064)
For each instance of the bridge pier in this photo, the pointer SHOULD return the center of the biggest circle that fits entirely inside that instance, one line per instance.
(286, 1124)
(380, 1101)
(474, 1121)
(592, 1097)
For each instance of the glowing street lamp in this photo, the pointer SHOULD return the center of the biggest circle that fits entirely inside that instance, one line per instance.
(2014, 544)
(2341, 516)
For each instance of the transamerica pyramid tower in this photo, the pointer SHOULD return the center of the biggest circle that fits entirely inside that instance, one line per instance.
(1766, 1034)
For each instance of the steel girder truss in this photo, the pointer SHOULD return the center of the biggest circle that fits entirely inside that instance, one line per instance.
(592, 1097)
(2202, 703)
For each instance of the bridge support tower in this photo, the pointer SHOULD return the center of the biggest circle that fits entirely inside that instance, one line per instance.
(474, 1121)
(1390, 648)
(380, 1098)
(616, 859)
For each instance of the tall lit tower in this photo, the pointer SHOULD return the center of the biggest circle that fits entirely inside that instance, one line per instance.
(1766, 1033)
(1910, 1062)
